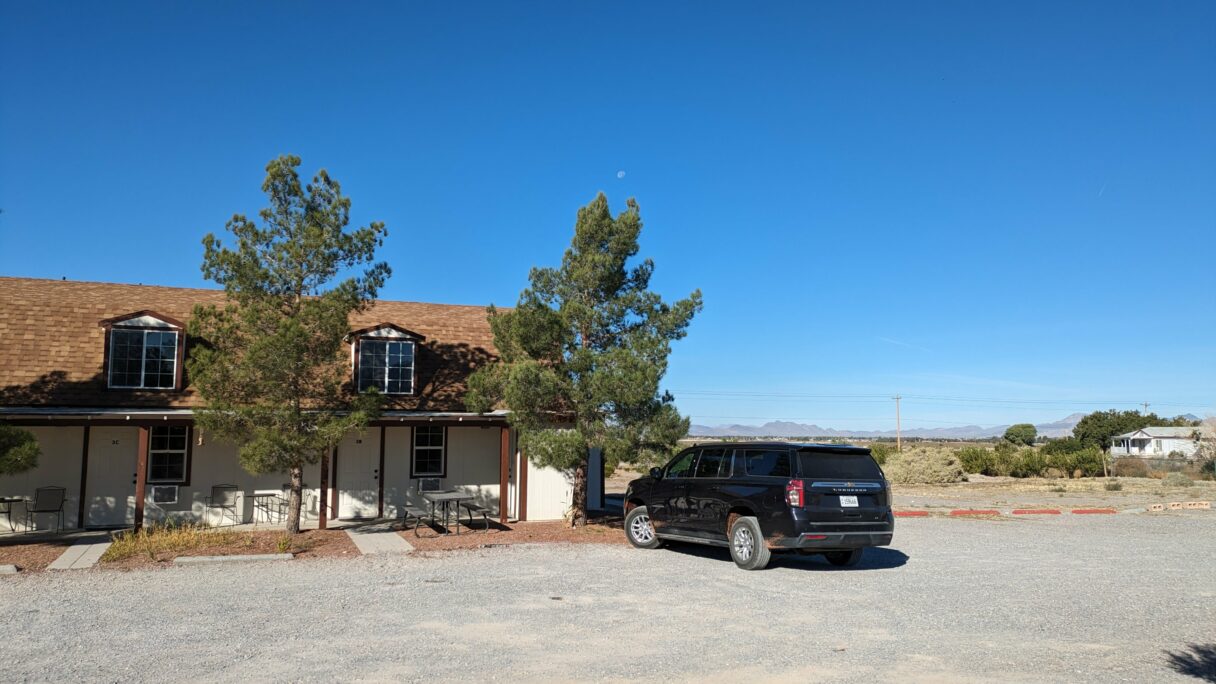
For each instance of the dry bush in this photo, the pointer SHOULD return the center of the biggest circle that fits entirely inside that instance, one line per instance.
(1176, 480)
(170, 538)
(924, 465)
(1131, 467)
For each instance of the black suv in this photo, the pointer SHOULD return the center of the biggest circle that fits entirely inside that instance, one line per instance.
(759, 498)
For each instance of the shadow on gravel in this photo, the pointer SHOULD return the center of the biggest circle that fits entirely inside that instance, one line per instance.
(1198, 662)
(874, 558)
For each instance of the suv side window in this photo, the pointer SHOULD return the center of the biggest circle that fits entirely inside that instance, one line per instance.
(682, 465)
(712, 462)
(768, 462)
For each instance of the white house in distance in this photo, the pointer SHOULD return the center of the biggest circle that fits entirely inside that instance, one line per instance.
(96, 372)
(1159, 442)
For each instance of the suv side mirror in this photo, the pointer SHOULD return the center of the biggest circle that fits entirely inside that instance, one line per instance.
(656, 473)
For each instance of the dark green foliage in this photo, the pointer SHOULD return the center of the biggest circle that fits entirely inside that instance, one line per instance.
(1097, 428)
(975, 459)
(1208, 469)
(585, 349)
(1022, 434)
(270, 363)
(1063, 445)
(19, 450)
(881, 451)
(1008, 460)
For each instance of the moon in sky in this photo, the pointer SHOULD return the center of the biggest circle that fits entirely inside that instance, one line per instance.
(620, 174)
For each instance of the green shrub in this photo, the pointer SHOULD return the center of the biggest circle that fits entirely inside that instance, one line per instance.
(974, 459)
(1176, 480)
(1065, 445)
(924, 466)
(1130, 467)
(1113, 486)
(881, 451)
(1084, 463)
(1028, 463)
(1208, 469)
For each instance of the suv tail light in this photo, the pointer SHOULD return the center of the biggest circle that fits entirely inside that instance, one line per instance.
(795, 495)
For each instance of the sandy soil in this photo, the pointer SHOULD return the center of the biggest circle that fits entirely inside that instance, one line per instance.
(31, 556)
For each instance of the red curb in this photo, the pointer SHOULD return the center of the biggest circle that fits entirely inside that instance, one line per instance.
(1036, 511)
(911, 514)
(975, 512)
(1093, 511)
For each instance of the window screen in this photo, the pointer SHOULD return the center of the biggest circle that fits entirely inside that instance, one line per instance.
(143, 358)
(767, 462)
(167, 453)
(386, 365)
(428, 451)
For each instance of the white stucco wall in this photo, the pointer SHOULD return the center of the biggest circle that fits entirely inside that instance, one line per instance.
(550, 493)
(58, 466)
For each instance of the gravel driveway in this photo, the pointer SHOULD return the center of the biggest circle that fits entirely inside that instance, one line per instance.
(1065, 599)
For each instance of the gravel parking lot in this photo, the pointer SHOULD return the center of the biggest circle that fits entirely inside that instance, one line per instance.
(1071, 598)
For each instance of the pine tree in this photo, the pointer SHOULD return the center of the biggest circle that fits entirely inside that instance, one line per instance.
(270, 363)
(583, 352)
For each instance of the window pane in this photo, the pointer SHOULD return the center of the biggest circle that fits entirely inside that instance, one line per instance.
(831, 466)
(682, 466)
(710, 462)
(768, 462)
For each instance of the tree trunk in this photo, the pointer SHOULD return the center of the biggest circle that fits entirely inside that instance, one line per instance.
(294, 499)
(578, 507)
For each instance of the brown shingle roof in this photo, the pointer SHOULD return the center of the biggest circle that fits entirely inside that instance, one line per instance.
(52, 346)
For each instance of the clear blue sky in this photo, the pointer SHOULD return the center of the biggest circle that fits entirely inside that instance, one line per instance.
(1002, 201)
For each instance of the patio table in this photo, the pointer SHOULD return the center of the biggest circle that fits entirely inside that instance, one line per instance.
(446, 499)
(263, 502)
(7, 502)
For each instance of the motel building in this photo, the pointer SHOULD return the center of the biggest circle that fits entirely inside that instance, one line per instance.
(96, 372)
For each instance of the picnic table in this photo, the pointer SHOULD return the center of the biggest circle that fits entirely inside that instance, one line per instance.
(446, 500)
(7, 502)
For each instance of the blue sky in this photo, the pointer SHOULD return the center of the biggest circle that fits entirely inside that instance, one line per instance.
(1007, 207)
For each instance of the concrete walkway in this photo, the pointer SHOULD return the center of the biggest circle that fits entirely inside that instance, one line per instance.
(379, 537)
(82, 555)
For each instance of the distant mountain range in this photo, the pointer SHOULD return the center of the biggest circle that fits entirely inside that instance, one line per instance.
(781, 428)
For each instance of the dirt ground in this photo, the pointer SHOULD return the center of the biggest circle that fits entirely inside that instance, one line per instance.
(31, 556)
(608, 532)
(308, 544)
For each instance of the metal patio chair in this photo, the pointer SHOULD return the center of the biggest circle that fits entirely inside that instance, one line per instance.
(46, 500)
(224, 498)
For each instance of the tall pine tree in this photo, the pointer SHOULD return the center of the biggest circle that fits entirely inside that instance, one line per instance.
(583, 352)
(270, 365)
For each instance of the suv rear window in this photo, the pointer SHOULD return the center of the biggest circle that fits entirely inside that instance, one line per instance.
(767, 462)
(837, 466)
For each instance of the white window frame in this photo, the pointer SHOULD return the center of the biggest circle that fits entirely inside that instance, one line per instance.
(156, 488)
(143, 357)
(382, 384)
(185, 455)
(442, 449)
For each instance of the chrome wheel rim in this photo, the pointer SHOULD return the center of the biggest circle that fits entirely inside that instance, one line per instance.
(641, 530)
(743, 543)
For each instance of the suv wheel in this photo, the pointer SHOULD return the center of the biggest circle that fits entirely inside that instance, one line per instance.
(639, 530)
(747, 546)
(844, 559)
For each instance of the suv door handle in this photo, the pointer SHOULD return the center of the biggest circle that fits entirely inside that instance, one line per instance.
(715, 488)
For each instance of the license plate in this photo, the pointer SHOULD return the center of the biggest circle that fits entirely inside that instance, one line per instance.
(848, 502)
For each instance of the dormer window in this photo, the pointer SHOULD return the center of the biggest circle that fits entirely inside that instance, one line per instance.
(144, 351)
(384, 358)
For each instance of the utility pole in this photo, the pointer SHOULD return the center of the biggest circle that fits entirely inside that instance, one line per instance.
(899, 443)
(1145, 405)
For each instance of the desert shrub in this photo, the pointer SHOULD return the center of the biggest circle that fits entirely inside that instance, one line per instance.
(1176, 480)
(1054, 473)
(1207, 470)
(167, 538)
(974, 459)
(1028, 463)
(1065, 445)
(881, 451)
(1113, 486)
(1131, 467)
(1084, 463)
(1175, 455)
(924, 466)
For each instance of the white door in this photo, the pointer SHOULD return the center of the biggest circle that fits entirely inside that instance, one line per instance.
(358, 474)
(110, 488)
